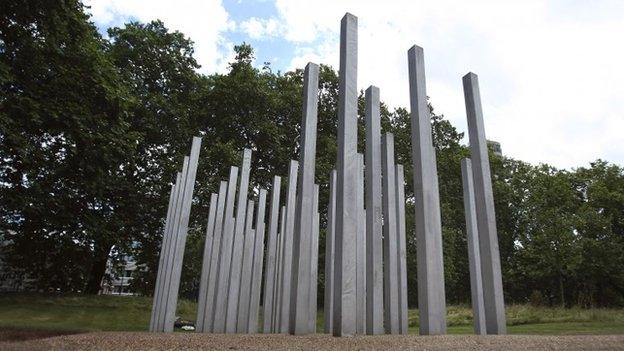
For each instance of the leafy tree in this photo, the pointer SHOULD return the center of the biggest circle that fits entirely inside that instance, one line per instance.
(600, 281)
(167, 96)
(549, 252)
(64, 136)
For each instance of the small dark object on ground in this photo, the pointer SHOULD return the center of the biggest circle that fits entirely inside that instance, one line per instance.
(180, 323)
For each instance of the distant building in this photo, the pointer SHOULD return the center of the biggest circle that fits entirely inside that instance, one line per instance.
(118, 277)
(495, 146)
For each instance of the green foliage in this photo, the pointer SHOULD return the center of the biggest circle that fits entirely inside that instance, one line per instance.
(167, 93)
(64, 137)
(559, 232)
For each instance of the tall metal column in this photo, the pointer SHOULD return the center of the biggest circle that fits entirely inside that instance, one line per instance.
(391, 283)
(302, 235)
(287, 248)
(244, 294)
(312, 303)
(431, 294)
(346, 209)
(256, 276)
(486, 217)
(374, 248)
(237, 246)
(472, 241)
(360, 280)
(214, 259)
(203, 278)
(225, 256)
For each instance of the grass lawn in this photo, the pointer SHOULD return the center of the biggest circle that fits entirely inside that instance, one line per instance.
(527, 319)
(125, 313)
(81, 313)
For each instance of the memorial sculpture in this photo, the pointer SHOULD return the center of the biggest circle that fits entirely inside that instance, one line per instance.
(365, 238)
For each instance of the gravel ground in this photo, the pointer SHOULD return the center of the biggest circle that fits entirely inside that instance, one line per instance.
(119, 341)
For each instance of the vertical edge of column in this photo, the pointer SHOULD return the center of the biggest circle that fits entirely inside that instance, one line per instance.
(271, 258)
(277, 305)
(402, 249)
(329, 255)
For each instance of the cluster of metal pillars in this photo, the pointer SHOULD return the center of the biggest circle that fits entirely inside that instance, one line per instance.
(365, 257)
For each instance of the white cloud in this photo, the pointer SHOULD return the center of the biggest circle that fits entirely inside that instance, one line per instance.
(258, 28)
(323, 53)
(550, 72)
(205, 22)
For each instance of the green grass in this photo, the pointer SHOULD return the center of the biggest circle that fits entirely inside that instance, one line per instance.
(80, 313)
(117, 313)
(527, 319)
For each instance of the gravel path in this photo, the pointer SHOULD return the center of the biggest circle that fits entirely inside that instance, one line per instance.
(119, 341)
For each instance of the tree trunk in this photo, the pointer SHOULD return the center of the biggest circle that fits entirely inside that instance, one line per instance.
(97, 270)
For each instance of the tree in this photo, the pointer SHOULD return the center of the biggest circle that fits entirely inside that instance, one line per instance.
(64, 136)
(164, 113)
(600, 227)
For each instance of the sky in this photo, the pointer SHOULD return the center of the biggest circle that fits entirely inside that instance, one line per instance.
(551, 73)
